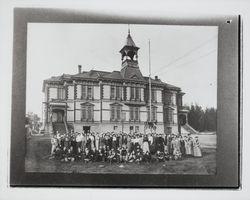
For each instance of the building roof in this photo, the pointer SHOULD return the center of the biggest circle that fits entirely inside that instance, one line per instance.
(159, 82)
(133, 75)
(130, 71)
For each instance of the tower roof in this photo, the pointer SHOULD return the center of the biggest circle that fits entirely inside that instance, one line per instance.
(129, 41)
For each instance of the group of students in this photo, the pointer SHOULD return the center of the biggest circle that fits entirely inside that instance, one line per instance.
(121, 147)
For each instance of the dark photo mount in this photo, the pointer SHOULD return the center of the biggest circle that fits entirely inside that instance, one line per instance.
(228, 156)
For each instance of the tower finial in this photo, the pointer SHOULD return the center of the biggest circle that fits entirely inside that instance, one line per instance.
(129, 29)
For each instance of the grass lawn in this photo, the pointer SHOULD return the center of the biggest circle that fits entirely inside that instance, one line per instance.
(38, 151)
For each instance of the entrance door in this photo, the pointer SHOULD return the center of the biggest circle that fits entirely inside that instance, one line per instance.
(86, 129)
(57, 116)
(183, 120)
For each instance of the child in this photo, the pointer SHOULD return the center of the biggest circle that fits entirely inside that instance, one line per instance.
(87, 156)
(58, 153)
(160, 156)
(79, 153)
(70, 157)
(138, 155)
(177, 155)
(146, 157)
(112, 156)
(123, 155)
(166, 155)
(131, 157)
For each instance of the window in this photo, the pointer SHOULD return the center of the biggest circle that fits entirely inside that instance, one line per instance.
(136, 129)
(84, 113)
(61, 93)
(84, 92)
(154, 97)
(171, 99)
(131, 113)
(112, 92)
(134, 113)
(87, 113)
(115, 128)
(135, 93)
(118, 92)
(153, 113)
(137, 113)
(115, 112)
(87, 92)
(90, 112)
(169, 115)
(90, 90)
(115, 92)
(132, 93)
(118, 112)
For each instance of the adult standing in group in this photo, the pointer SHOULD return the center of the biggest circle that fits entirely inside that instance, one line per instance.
(54, 144)
(145, 146)
(189, 146)
(120, 139)
(102, 141)
(129, 143)
(79, 140)
(124, 140)
(182, 146)
(197, 148)
(84, 141)
(169, 144)
(97, 141)
(92, 139)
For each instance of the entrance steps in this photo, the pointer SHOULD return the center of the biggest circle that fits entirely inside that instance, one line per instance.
(60, 127)
(186, 129)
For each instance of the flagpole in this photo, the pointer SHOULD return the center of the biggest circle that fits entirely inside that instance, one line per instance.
(150, 92)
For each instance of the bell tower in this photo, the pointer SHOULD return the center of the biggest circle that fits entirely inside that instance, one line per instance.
(129, 53)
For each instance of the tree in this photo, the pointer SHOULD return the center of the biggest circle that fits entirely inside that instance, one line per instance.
(33, 121)
(202, 120)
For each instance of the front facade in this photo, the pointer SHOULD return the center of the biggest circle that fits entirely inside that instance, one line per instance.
(112, 101)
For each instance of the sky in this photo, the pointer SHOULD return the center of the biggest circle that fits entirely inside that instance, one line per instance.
(184, 56)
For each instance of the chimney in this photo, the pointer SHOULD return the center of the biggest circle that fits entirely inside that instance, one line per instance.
(79, 69)
(156, 78)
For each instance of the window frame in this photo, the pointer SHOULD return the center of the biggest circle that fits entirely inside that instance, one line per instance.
(87, 112)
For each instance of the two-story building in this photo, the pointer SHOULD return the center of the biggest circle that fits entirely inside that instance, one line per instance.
(112, 101)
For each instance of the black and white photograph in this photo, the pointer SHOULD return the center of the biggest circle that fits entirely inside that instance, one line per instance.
(121, 98)
(104, 101)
